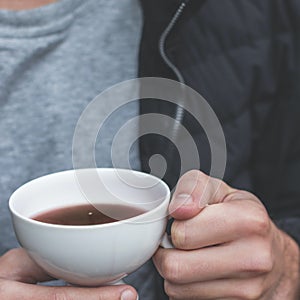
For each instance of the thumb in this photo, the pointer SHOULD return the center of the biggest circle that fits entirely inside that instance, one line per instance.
(20, 290)
(194, 191)
(18, 273)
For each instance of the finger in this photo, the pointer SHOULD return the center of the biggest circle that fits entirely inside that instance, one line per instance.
(17, 290)
(222, 223)
(233, 260)
(194, 191)
(253, 288)
(16, 265)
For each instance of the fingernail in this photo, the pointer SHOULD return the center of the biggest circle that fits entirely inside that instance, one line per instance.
(182, 200)
(128, 295)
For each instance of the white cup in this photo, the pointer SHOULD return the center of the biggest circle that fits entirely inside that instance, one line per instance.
(91, 255)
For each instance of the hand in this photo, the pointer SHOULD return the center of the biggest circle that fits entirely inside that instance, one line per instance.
(226, 246)
(18, 275)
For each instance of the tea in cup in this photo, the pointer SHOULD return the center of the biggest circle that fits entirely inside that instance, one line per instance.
(91, 226)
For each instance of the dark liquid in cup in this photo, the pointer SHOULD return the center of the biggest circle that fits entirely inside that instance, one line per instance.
(87, 214)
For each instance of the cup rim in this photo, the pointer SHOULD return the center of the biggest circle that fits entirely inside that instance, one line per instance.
(93, 226)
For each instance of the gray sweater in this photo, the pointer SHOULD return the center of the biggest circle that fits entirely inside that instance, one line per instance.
(53, 61)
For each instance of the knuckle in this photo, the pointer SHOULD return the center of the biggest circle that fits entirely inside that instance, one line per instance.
(265, 262)
(258, 222)
(262, 223)
(261, 261)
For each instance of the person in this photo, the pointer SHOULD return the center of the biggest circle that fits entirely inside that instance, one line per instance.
(233, 240)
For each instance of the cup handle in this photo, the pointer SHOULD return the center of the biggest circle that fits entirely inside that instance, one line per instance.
(121, 281)
(166, 241)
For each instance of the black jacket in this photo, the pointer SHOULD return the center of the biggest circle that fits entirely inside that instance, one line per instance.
(243, 57)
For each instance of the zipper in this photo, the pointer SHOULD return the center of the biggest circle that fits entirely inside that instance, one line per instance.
(162, 50)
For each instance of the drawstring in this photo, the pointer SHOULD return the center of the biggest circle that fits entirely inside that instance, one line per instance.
(162, 50)
(162, 42)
